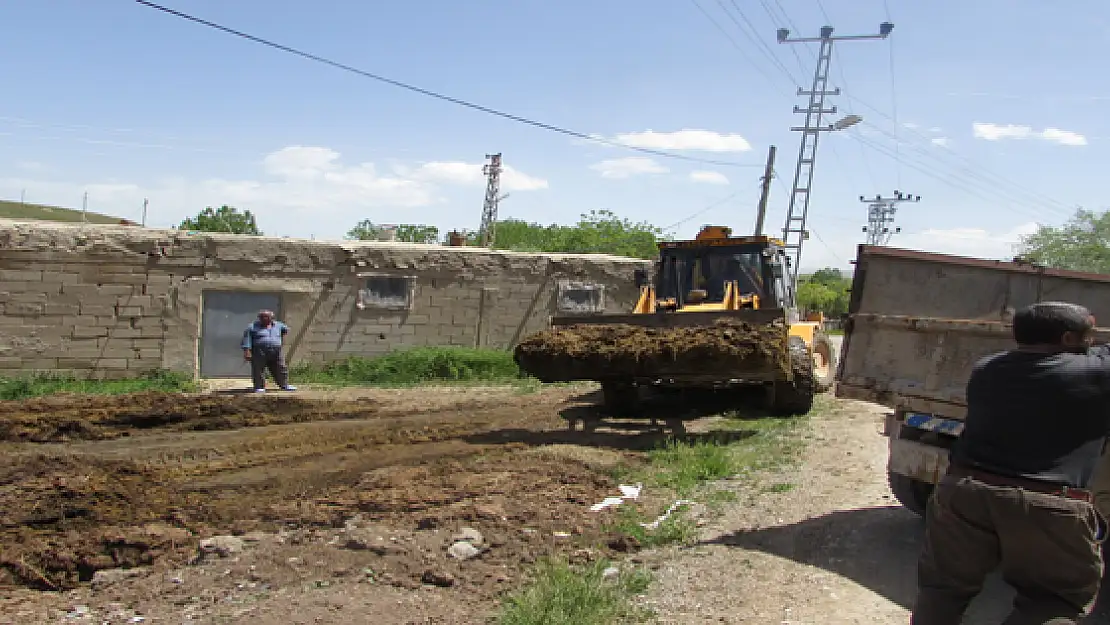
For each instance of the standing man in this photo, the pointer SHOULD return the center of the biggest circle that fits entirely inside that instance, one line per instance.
(1015, 496)
(262, 348)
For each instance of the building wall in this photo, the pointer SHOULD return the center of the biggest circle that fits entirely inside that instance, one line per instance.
(114, 301)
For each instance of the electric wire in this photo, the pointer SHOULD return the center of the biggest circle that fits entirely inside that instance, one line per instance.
(700, 212)
(433, 94)
(985, 177)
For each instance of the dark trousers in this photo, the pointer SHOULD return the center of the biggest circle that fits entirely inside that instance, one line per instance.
(263, 358)
(1048, 548)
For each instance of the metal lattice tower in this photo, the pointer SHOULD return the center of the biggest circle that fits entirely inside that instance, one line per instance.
(492, 170)
(880, 216)
(794, 230)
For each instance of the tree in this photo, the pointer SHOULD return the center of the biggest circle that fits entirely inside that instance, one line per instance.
(222, 219)
(597, 232)
(1081, 244)
(367, 230)
(825, 291)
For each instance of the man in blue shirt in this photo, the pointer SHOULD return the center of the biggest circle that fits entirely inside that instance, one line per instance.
(262, 348)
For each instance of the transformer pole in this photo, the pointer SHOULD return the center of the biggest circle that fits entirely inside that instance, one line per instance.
(492, 170)
(768, 172)
(794, 231)
(880, 216)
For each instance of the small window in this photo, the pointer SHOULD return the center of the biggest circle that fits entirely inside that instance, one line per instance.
(388, 292)
(581, 298)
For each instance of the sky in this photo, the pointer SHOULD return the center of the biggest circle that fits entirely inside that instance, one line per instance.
(985, 109)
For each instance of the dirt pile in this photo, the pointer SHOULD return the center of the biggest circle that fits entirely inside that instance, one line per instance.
(64, 418)
(64, 518)
(591, 352)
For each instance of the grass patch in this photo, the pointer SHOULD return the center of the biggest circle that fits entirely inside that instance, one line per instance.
(19, 211)
(418, 366)
(560, 594)
(676, 529)
(47, 384)
(835, 332)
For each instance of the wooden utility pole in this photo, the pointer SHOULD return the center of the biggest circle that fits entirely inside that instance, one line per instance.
(767, 174)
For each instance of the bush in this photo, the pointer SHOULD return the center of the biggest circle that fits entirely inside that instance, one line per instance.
(42, 384)
(414, 366)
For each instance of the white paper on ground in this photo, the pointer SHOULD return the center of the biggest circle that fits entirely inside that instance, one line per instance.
(663, 517)
(627, 492)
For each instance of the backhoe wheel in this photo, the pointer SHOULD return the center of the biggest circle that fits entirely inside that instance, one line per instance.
(619, 398)
(795, 397)
(912, 494)
(824, 362)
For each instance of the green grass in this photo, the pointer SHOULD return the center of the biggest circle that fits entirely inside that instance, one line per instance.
(560, 594)
(834, 332)
(20, 211)
(421, 365)
(45, 384)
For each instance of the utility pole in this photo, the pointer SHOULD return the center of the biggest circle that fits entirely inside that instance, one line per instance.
(880, 216)
(768, 172)
(492, 170)
(85, 207)
(794, 231)
(146, 203)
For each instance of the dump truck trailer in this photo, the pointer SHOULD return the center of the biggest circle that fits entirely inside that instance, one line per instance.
(917, 324)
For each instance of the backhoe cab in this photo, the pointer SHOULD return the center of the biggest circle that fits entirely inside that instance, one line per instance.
(716, 271)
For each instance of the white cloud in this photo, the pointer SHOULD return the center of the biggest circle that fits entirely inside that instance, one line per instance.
(973, 242)
(1063, 137)
(628, 167)
(996, 132)
(941, 141)
(708, 177)
(301, 190)
(686, 139)
(458, 172)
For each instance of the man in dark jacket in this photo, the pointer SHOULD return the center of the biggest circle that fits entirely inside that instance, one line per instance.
(1016, 496)
(262, 348)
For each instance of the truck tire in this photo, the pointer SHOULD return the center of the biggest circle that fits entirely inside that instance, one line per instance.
(912, 494)
(620, 399)
(824, 362)
(795, 397)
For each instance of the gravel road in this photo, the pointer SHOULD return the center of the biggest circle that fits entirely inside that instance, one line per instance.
(836, 548)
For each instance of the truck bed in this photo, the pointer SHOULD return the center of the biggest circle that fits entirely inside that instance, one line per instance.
(919, 322)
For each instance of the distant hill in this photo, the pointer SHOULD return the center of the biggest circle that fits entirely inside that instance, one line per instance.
(19, 210)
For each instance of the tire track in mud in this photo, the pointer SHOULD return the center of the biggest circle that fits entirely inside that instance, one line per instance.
(146, 494)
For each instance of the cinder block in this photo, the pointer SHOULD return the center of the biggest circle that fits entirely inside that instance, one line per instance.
(112, 363)
(7, 362)
(38, 363)
(76, 364)
(130, 311)
(152, 332)
(124, 333)
(99, 309)
(24, 309)
(20, 275)
(62, 309)
(89, 332)
(61, 277)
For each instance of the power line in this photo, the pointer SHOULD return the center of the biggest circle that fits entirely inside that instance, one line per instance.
(736, 45)
(984, 175)
(433, 94)
(701, 211)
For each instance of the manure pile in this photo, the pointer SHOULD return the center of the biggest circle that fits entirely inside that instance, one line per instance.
(589, 352)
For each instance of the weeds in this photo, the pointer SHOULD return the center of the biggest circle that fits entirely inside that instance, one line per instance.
(47, 384)
(417, 366)
(675, 529)
(560, 594)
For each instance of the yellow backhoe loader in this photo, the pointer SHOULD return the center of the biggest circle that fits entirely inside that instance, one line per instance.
(699, 285)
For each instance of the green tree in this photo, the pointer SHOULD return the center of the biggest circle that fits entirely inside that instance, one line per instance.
(825, 291)
(597, 232)
(222, 219)
(1081, 244)
(367, 230)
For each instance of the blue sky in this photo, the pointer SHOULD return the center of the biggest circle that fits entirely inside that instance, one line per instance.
(999, 121)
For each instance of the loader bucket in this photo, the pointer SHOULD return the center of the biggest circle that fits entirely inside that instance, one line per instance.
(709, 347)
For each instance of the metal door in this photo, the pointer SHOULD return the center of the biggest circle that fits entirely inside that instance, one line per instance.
(226, 316)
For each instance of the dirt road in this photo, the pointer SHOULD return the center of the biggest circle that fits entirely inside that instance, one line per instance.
(834, 549)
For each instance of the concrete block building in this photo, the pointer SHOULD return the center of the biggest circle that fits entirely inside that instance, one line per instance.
(114, 301)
